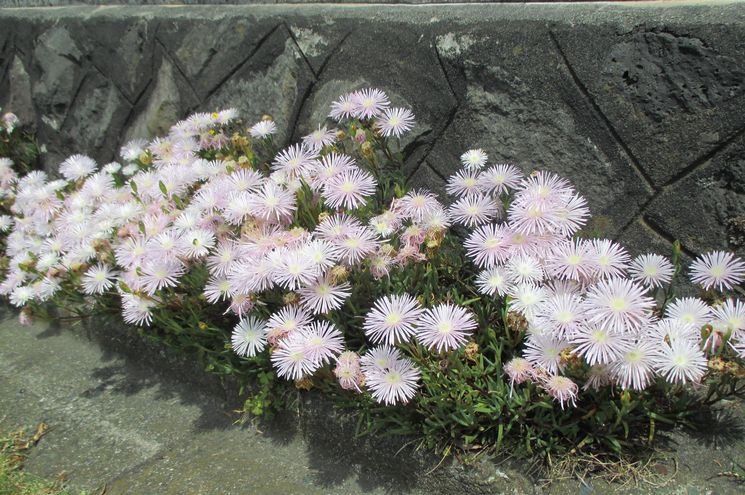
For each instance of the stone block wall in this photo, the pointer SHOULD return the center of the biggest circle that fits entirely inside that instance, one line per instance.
(639, 105)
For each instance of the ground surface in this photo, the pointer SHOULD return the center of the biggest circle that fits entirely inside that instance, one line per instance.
(122, 423)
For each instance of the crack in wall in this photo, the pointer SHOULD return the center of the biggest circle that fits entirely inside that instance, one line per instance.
(664, 234)
(167, 54)
(101, 72)
(635, 163)
(332, 53)
(73, 100)
(132, 111)
(317, 76)
(696, 165)
(448, 122)
(259, 44)
(300, 50)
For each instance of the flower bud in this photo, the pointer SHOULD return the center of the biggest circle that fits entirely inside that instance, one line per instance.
(339, 274)
(290, 298)
(367, 149)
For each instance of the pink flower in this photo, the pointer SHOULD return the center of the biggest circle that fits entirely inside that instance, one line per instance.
(562, 389)
(417, 204)
(249, 336)
(519, 370)
(499, 179)
(572, 260)
(718, 269)
(474, 210)
(343, 108)
(681, 361)
(349, 188)
(690, 310)
(357, 245)
(348, 371)
(489, 245)
(295, 161)
(544, 351)
(619, 305)
(612, 260)
(474, 159)
(390, 377)
(369, 103)
(292, 358)
(395, 121)
(323, 341)
(445, 327)
(319, 138)
(652, 270)
(160, 273)
(393, 319)
(77, 166)
(597, 345)
(464, 183)
(635, 367)
(285, 322)
(323, 296)
(273, 203)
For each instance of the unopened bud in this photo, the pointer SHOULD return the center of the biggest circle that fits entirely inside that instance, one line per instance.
(290, 298)
(367, 148)
(339, 274)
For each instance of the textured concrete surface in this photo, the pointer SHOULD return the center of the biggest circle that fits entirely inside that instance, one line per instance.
(638, 104)
(119, 424)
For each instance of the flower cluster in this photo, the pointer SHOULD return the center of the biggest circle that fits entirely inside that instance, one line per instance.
(316, 254)
(298, 224)
(586, 299)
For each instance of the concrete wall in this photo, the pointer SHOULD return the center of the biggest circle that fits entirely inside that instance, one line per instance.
(639, 105)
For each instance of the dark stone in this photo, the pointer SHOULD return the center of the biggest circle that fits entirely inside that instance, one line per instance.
(317, 43)
(662, 74)
(58, 63)
(210, 53)
(123, 52)
(19, 99)
(521, 113)
(93, 124)
(670, 91)
(162, 106)
(705, 210)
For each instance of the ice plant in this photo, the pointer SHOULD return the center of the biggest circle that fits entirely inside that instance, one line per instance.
(718, 269)
(393, 319)
(489, 313)
(445, 327)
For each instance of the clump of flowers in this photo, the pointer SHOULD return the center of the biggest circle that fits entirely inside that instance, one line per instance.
(18, 148)
(315, 264)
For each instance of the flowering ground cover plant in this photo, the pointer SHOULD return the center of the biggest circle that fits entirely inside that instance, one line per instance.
(489, 320)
